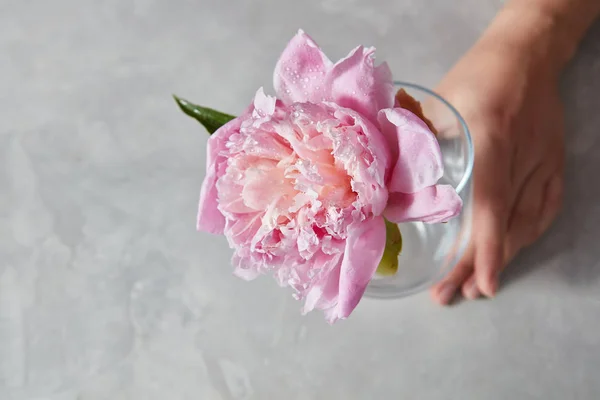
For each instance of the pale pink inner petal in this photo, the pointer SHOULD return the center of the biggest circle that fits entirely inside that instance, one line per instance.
(264, 105)
(243, 228)
(247, 274)
(230, 200)
(416, 149)
(264, 184)
(433, 204)
(325, 294)
(368, 165)
(265, 145)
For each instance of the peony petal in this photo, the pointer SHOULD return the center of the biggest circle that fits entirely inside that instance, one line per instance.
(264, 106)
(230, 201)
(364, 248)
(244, 266)
(433, 204)
(368, 181)
(246, 274)
(209, 217)
(325, 292)
(383, 89)
(355, 83)
(300, 72)
(243, 228)
(415, 149)
(264, 185)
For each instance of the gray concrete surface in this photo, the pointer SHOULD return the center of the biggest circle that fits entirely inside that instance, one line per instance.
(107, 291)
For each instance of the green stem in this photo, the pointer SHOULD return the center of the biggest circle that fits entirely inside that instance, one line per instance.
(393, 246)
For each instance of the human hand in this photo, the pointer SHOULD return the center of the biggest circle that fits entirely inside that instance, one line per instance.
(508, 94)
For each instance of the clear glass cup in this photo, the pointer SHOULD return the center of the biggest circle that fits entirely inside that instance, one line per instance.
(430, 251)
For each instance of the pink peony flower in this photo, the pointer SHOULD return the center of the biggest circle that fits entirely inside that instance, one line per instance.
(300, 184)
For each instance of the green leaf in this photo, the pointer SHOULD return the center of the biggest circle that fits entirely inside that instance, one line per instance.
(211, 119)
(393, 246)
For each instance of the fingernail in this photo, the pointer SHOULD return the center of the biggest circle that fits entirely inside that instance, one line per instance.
(494, 285)
(472, 291)
(447, 293)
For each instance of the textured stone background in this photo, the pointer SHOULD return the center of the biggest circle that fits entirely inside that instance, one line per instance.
(107, 291)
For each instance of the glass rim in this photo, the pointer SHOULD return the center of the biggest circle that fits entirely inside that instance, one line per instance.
(471, 151)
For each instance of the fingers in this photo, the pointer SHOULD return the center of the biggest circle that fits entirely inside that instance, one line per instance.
(444, 292)
(489, 260)
(503, 222)
(536, 207)
(552, 203)
(477, 272)
(492, 191)
(470, 290)
(522, 229)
